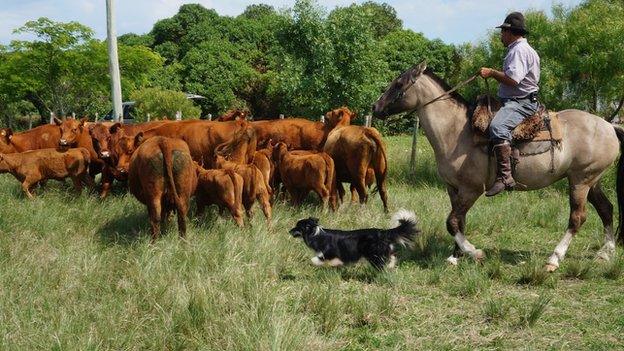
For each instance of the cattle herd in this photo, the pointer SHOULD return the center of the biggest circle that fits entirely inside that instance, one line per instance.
(231, 162)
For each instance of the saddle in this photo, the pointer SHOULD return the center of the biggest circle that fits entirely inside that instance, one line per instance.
(537, 134)
(542, 126)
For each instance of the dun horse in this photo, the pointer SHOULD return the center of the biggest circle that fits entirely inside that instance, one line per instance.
(589, 146)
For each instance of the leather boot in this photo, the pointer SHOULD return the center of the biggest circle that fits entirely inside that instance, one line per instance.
(504, 179)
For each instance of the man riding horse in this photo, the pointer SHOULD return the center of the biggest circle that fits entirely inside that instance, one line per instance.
(518, 93)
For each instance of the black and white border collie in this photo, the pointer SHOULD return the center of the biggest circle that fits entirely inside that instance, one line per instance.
(339, 247)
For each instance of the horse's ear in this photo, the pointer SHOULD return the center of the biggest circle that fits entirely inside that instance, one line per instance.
(419, 69)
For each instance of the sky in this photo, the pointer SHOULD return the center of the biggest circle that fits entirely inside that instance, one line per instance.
(452, 21)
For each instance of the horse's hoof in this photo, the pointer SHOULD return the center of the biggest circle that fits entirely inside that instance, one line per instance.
(452, 260)
(550, 267)
(479, 255)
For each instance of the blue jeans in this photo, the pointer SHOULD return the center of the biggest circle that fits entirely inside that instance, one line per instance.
(513, 112)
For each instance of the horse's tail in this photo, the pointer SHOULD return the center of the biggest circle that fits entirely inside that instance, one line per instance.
(619, 184)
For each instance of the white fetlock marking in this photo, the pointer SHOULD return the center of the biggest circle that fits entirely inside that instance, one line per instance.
(392, 262)
(608, 249)
(452, 260)
(465, 245)
(317, 261)
(561, 249)
(335, 262)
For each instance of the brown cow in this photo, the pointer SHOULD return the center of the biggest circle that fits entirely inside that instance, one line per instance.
(35, 166)
(162, 176)
(355, 150)
(302, 173)
(300, 133)
(103, 136)
(222, 187)
(202, 137)
(74, 133)
(42, 137)
(254, 188)
(241, 147)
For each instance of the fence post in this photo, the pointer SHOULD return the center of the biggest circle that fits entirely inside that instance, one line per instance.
(29, 121)
(322, 119)
(369, 120)
(74, 115)
(97, 116)
(281, 116)
(51, 117)
(149, 117)
(414, 146)
(178, 115)
(210, 116)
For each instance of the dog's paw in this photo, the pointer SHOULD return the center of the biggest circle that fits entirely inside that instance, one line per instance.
(316, 261)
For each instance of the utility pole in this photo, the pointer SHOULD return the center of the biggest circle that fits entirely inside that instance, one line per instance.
(113, 61)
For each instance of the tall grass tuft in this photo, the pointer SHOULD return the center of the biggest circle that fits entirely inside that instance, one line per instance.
(536, 311)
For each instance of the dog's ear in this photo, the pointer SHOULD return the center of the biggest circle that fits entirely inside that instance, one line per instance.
(314, 220)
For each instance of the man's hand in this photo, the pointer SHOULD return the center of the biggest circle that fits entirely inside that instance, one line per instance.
(485, 72)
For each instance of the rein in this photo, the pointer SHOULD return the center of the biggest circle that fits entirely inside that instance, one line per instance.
(446, 93)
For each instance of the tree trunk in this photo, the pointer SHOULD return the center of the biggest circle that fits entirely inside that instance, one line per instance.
(617, 110)
(44, 113)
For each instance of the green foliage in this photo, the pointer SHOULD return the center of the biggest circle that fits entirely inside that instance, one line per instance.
(160, 103)
(64, 70)
(582, 58)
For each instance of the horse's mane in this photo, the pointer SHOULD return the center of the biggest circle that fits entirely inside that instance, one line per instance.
(446, 87)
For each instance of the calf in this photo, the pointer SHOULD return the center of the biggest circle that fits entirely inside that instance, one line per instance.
(302, 173)
(254, 187)
(162, 176)
(33, 167)
(221, 187)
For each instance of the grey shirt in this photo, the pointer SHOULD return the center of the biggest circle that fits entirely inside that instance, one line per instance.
(521, 64)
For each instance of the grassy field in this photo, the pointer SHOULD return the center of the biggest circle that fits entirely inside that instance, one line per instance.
(77, 273)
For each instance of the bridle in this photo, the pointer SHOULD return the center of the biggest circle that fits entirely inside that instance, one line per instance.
(402, 92)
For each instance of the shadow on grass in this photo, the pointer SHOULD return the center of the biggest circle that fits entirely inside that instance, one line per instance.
(124, 230)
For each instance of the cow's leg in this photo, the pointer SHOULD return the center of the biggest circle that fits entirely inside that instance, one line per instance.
(248, 205)
(77, 184)
(263, 198)
(461, 201)
(360, 184)
(354, 194)
(603, 206)
(323, 194)
(26, 186)
(201, 205)
(340, 190)
(154, 211)
(578, 214)
(237, 213)
(182, 209)
(107, 181)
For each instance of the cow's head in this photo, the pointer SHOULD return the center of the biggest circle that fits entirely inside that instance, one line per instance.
(122, 150)
(71, 129)
(101, 138)
(339, 117)
(278, 151)
(6, 134)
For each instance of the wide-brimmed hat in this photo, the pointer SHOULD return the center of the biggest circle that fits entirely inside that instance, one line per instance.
(514, 21)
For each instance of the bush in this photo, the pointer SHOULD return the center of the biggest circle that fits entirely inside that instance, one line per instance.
(163, 103)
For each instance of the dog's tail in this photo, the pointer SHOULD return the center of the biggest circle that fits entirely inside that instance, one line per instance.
(405, 228)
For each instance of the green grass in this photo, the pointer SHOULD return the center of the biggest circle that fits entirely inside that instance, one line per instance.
(77, 273)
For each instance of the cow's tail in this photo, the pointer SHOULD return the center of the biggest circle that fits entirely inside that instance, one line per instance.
(619, 184)
(330, 179)
(380, 163)
(167, 152)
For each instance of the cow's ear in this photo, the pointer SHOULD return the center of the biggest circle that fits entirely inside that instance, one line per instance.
(83, 121)
(6, 133)
(138, 139)
(91, 127)
(114, 128)
(57, 121)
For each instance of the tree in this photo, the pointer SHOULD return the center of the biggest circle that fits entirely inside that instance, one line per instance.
(161, 103)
